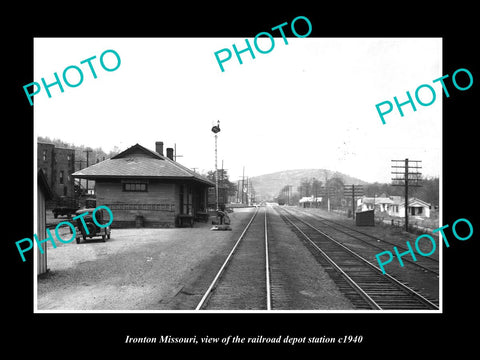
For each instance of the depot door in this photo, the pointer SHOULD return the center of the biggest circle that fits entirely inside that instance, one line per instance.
(186, 199)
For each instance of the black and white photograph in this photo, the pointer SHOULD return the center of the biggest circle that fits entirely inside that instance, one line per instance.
(281, 202)
(231, 182)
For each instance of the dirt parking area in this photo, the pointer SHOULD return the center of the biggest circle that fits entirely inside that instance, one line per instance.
(136, 269)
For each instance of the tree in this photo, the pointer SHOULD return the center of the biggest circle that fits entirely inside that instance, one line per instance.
(335, 187)
(284, 195)
(316, 187)
(429, 191)
(223, 181)
(305, 187)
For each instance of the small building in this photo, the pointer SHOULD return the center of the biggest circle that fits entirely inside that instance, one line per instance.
(365, 218)
(310, 201)
(141, 186)
(44, 194)
(416, 207)
(379, 204)
(394, 206)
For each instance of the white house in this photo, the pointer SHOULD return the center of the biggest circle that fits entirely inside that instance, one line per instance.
(310, 201)
(416, 207)
(380, 204)
(394, 206)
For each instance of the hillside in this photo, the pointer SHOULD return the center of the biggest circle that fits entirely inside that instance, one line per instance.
(268, 186)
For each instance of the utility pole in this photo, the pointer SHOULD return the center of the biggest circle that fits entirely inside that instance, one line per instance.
(243, 182)
(88, 151)
(175, 153)
(353, 202)
(407, 175)
(289, 187)
(354, 192)
(326, 190)
(79, 167)
(238, 191)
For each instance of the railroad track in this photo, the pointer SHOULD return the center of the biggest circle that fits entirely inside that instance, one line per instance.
(361, 281)
(332, 228)
(243, 281)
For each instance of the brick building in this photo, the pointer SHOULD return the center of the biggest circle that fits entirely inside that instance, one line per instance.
(143, 184)
(57, 165)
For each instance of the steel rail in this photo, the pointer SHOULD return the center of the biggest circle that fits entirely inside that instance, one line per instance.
(363, 233)
(326, 221)
(352, 283)
(375, 268)
(267, 265)
(228, 259)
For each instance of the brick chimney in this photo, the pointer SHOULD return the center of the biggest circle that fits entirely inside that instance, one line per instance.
(170, 153)
(159, 147)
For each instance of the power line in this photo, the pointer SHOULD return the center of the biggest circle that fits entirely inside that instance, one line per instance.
(406, 174)
(88, 151)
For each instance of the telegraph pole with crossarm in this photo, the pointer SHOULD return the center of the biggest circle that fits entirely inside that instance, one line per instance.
(406, 175)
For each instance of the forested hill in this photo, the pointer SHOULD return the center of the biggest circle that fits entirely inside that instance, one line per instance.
(268, 186)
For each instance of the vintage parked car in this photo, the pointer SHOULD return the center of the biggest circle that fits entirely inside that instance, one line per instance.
(93, 229)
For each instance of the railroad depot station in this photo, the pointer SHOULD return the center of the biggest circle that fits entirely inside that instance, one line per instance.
(148, 188)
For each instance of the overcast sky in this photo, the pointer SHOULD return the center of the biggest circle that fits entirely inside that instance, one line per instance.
(308, 104)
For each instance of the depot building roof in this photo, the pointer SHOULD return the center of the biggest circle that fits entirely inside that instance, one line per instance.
(140, 162)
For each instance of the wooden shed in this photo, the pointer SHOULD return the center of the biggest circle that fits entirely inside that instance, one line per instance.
(365, 218)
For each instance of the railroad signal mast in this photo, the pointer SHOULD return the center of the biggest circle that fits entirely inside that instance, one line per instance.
(216, 130)
(406, 173)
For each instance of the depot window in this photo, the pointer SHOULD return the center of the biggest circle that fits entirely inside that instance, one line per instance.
(135, 186)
